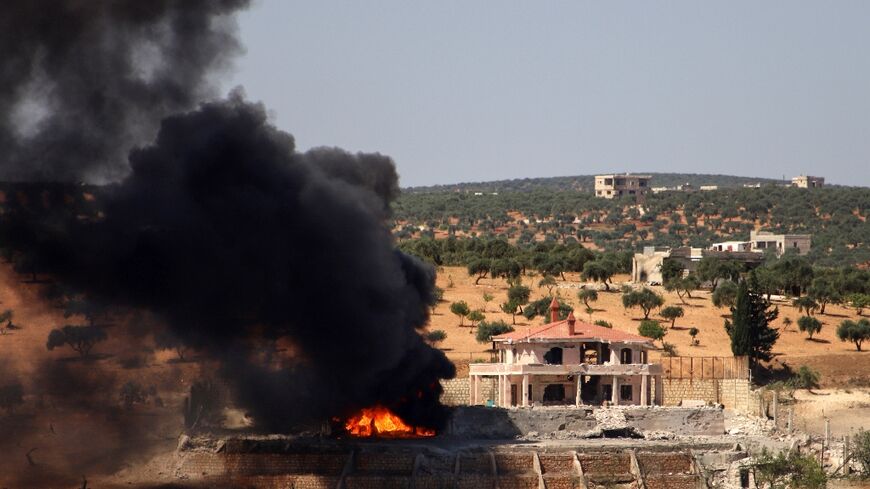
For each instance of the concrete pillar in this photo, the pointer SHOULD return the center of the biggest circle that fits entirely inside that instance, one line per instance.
(507, 391)
(659, 400)
(579, 398)
(525, 390)
(644, 387)
(775, 409)
(614, 391)
(472, 389)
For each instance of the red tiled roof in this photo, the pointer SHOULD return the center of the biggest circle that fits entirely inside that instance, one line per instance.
(560, 331)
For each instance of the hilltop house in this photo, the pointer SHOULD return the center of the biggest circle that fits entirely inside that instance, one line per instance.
(646, 267)
(569, 362)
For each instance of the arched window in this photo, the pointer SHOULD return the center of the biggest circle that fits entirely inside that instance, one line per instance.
(554, 356)
(625, 356)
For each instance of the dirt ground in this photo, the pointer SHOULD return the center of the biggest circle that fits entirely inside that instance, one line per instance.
(838, 362)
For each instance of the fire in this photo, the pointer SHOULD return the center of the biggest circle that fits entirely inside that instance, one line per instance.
(380, 421)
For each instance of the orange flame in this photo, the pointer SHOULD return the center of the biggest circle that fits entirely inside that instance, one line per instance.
(380, 421)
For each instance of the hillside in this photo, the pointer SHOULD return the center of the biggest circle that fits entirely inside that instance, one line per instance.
(835, 216)
(585, 183)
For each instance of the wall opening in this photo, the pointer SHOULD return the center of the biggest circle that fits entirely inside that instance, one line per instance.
(554, 356)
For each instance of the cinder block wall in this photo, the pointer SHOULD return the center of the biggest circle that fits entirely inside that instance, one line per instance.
(457, 391)
(731, 393)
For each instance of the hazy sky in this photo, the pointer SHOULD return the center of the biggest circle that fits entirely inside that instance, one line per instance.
(473, 90)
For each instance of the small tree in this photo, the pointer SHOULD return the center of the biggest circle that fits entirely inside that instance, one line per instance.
(786, 322)
(461, 310)
(587, 296)
(603, 324)
(548, 282)
(480, 268)
(599, 271)
(437, 296)
(645, 298)
(487, 298)
(683, 286)
(541, 307)
(436, 337)
(671, 313)
(855, 331)
(693, 332)
(510, 308)
(80, 338)
(165, 340)
(486, 330)
(476, 316)
(652, 329)
(805, 305)
(859, 302)
(519, 295)
(725, 294)
(809, 325)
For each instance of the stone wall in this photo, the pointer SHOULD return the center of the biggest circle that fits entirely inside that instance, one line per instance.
(731, 393)
(457, 392)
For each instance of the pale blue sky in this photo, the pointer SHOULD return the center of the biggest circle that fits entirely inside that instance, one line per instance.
(483, 90)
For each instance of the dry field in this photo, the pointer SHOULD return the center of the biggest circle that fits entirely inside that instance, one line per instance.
(838, 362)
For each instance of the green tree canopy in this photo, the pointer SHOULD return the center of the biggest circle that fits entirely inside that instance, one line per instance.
(645, 298)
(750, 331)
(809, 325)
(854, 331)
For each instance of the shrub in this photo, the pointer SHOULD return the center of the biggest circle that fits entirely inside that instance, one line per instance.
(80, 338)
(725, 294)
(435, 337)
(693, 332)
(793, 470)
(669, 349)
(486, 330)
(809, 325)
(603, 324)
(861, 452)
(651, 329)
(805, 378)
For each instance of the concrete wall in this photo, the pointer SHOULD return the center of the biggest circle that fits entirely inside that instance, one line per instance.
(731, 393)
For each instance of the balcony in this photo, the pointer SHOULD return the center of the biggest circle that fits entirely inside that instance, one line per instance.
(581, 369)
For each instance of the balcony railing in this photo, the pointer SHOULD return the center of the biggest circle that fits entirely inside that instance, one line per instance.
(576, 369)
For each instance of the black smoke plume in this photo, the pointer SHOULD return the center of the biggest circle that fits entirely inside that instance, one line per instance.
(233, 238)
(82, 82)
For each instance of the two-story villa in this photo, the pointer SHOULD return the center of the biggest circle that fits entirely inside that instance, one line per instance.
(569, 362)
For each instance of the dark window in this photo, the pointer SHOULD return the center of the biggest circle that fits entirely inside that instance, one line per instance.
(554, 393)
(625, 356)
(642, 183)
(554, 356)
(605, 354)
(625, 393)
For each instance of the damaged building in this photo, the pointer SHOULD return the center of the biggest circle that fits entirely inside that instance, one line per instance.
(646, 267)
(569, 362)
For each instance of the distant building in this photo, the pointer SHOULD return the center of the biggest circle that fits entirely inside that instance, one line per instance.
(686, 187)
(806, 181)
(732, 246)
(646, 267)
(615, 186)
(708, 187)
(765, 240)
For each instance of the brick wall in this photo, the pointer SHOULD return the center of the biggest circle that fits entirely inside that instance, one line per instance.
(664, 463)
(731, 393)
(514, 463)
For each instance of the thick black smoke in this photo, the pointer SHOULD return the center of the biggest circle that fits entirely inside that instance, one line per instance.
(233, 237)
(82, 82)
